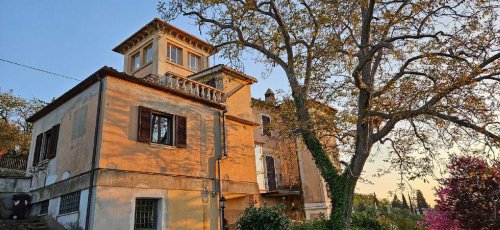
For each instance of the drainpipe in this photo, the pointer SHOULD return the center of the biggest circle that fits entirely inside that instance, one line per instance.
(224, 154)
(94, 153)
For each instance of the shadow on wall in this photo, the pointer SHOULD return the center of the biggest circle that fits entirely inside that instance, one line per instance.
(178, 209)
(121, 150)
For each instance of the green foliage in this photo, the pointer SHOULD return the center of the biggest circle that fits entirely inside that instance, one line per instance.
(365, 203)
(404, 205)
(396, 203)
(264, 218)
(317, 224)
(421, 202)
(15, 131)
(402, 219)
(363, 220)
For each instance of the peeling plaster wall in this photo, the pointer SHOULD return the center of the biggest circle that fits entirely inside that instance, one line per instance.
(76, 138)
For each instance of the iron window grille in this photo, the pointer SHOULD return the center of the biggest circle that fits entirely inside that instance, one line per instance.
(70, 203)
(44, 207)
(146, 214)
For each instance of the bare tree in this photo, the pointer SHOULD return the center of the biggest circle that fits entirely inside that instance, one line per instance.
(418, 75)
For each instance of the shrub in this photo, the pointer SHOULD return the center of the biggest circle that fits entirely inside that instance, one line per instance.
(362, 221)
(317, 224)
(265, 218)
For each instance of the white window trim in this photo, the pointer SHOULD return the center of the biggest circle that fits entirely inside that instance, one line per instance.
(169, 54)
(198, 60)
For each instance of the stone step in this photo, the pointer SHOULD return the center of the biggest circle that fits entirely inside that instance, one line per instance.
(27, 224)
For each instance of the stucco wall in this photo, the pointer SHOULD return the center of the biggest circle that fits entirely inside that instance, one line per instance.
(240, 162)
(164, 65)
(178, 209)
(238, 104)
(76, 137)
(121, 150)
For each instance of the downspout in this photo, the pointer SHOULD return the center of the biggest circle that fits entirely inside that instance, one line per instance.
(224, 148)
(94, 153)
(224, 154)
(303, 199)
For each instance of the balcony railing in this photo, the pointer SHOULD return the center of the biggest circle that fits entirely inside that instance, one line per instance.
(13, 163)
(188, 86)
(279, 183)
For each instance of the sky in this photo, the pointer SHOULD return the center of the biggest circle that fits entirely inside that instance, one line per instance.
(76, 38)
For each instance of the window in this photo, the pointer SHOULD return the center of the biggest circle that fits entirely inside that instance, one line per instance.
(47, 137)
(161, 131)
(136, 61)
(193, 62)
(69, 203)
(146, 214)
(174, 54)
(148, 54)
(46, 145)
(44, 207)
(161, 128)
(266, 122)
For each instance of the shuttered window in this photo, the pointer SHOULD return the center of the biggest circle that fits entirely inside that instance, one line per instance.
(161, 128)
(38, 147)
(144, 129)
(51, 151)
(266, 122)
(181, 131)
(46, 145)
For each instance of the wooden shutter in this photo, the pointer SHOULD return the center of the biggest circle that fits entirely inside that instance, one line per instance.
(144, 125)
(53, 142)
(180, 131)
(38, 147)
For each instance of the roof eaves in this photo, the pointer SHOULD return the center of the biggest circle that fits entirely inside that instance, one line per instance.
(160, 24)
(109, 71)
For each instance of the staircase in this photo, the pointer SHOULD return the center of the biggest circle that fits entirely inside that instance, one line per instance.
(28, 224)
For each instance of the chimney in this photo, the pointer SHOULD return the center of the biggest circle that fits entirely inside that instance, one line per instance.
(269, 96)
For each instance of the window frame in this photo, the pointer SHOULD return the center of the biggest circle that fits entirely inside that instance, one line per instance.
(155, 209)
(266, 131)
(145, 60)
(69, 203)
(144, 127)
(171, 129)
(197, 58)
(133, 61)
(44, 207)
(46, 145)
(169, 53)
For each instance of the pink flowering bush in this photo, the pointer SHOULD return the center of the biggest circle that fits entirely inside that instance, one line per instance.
(468, 198)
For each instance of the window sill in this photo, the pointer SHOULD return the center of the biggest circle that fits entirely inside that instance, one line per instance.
(42, 163)
(181, 66)
(155, 145)
(142, 67)
(67, 214)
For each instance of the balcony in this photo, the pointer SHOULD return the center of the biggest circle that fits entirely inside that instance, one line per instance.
(278, 186)
(188, 86)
